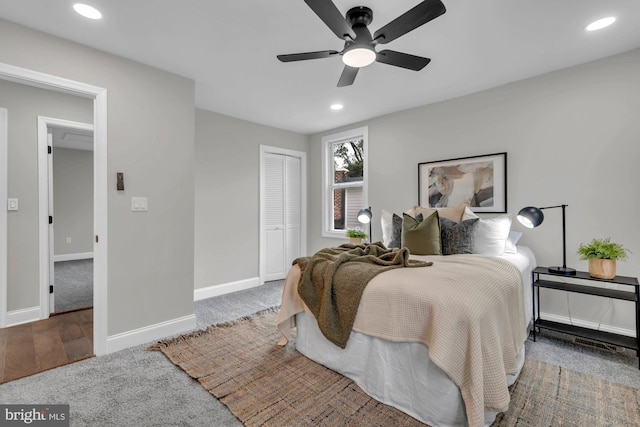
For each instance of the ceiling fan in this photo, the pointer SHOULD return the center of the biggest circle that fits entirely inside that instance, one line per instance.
(359, 46)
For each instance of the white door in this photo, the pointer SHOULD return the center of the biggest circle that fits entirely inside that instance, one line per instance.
(51, 274)
(292, 248)
(274, 215)
(282, 214)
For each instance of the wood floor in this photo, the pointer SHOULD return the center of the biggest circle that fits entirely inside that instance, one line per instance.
(38, 346)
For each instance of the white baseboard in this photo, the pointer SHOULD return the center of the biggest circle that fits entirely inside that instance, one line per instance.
(25, 315)
(587, 324)
(150, 333)
(225, 288)
(72, 257)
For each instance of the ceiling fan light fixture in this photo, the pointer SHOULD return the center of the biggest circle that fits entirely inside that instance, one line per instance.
(359, 56)
(600, 23)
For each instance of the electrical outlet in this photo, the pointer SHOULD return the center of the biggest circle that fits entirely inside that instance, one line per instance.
(68, 239)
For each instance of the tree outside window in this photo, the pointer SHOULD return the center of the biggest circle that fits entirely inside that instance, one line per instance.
(348, 166)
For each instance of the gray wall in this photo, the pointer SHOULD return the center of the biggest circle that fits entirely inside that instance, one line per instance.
(571, 136)
(150, 139)
(24, 104)
(72, 201)
(227, 183)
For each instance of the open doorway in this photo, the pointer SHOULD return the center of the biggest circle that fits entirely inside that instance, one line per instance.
(27, 152)
(11, 309)
(71, 199)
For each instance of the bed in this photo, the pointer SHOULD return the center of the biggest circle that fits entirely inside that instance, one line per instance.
(418, 369)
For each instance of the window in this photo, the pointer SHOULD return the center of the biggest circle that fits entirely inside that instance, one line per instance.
(344, 180)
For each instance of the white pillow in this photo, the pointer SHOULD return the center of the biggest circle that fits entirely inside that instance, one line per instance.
(386, 221)
(492, 235)
(512, 241)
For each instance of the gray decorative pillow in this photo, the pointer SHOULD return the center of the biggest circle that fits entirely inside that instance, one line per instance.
(396, 230)
(458, 237)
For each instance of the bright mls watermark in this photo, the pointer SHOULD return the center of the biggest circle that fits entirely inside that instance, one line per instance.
(34, 415)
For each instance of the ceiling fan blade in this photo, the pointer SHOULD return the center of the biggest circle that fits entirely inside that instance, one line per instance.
(419, 15)
(307, 55)
(404, 60)
(331, 16)
(348, 76)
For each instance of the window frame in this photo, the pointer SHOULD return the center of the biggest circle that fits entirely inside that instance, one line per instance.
(328, 185)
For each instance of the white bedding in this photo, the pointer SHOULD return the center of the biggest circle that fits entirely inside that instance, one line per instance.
(398, 373)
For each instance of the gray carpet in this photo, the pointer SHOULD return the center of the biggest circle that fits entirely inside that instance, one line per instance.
(73, 282)
(134, 387)
(559, 349)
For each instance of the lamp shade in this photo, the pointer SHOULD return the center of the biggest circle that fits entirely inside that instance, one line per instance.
(530, 216)
(364, 215)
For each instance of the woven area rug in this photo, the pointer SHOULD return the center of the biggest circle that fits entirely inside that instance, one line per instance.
(264, 384)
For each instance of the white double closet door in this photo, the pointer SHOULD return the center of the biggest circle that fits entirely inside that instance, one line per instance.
(282, 214)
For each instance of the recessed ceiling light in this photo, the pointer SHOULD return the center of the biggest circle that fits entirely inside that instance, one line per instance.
(87, 11)
(600, 23)
(337, 107)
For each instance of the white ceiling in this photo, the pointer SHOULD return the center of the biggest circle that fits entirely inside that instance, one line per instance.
(229, 48)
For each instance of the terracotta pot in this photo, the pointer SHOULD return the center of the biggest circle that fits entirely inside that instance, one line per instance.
(355, 240)
(602, 268)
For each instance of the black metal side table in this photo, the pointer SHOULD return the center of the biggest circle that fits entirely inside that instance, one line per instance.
(547, 281)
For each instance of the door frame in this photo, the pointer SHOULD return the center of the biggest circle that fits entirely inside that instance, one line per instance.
(264, 149)
(45, 203)
(100, 186)
(4, 188)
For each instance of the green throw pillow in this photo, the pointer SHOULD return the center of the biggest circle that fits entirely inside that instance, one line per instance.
(421, 238)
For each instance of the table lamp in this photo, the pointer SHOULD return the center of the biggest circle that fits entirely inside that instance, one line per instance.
(532, 217)
(364, 216)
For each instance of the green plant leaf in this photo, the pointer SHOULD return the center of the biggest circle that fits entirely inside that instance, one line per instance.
(602, 249)
(357, 233)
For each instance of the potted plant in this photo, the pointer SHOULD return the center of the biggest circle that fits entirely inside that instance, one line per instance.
(602, 255)
(356, 235)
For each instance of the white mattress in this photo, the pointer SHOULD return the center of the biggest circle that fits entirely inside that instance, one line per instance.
(401, 374)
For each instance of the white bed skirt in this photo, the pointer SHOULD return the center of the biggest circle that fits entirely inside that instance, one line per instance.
(399, 374)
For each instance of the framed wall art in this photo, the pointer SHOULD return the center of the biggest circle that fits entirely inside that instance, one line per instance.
(479, 181)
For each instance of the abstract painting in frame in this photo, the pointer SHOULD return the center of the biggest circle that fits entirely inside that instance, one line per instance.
(479, 181)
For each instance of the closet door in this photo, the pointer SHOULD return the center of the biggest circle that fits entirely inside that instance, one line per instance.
(282, 213)
(274, 215)
(293, 213)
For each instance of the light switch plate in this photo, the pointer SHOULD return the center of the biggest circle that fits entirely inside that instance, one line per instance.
(139, 204)
(12, 204)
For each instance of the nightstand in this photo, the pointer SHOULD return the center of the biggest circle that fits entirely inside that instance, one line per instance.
(543, 278)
